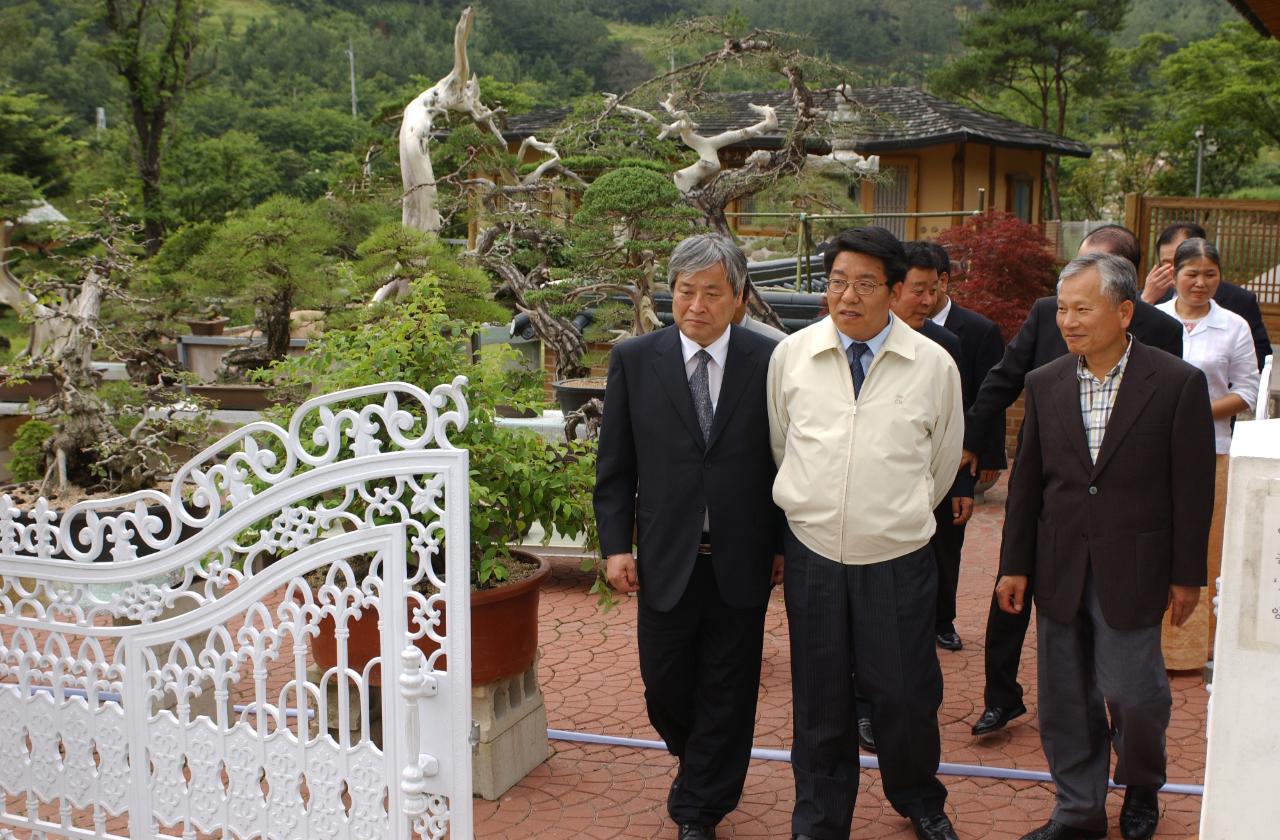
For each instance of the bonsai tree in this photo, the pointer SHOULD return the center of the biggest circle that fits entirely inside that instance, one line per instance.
(1003, 264)
(546, 257)
(91, 436)
(273, 258)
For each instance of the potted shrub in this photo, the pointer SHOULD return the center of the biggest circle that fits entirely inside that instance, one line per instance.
(517, 478)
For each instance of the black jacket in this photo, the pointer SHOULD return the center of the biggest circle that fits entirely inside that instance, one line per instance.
(981, 348)
(1139, 517)
(1039, 342)
(656, 478)
(963, 485)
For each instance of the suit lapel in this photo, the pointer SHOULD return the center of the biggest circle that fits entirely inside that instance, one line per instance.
(1066, 403)
(738, 365)
(668, 362)
(1136, 390)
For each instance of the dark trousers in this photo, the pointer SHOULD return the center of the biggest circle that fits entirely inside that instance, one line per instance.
(1089, 669)
(947, 542)
(1005, 635)
(700, 663)
(875, 622)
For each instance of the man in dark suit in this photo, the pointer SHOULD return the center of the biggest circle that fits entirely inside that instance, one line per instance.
(981, 348)
(1109, 506)
(915, 301)
(685, 465)
(1037, 343)
(1159, 288)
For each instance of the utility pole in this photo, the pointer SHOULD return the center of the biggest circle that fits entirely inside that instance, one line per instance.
(351, 63)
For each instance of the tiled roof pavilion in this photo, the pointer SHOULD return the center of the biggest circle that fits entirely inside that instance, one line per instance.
(888, 119)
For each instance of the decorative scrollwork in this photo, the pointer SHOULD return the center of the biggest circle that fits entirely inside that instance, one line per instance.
(237, 718)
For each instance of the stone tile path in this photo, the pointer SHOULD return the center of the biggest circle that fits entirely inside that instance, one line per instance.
(591, 679)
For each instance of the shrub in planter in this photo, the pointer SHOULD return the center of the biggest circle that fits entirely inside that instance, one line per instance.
(517, 477)
(1001, 265)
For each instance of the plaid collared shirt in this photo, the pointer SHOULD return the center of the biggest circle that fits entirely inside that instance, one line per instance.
(1097, 398)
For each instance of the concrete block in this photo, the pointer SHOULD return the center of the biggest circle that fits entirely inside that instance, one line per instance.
(512, 718)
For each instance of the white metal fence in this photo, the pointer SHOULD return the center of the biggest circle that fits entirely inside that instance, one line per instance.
(261, 651)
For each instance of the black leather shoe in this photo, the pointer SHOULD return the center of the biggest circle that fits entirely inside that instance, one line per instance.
(934, 827)
(995, 717)
(1140, 813)
(949, 639)
(1057, 831)
(697, 831)
(866, 735)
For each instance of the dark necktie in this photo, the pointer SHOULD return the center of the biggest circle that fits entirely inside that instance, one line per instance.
(855, 352)
(700, 385)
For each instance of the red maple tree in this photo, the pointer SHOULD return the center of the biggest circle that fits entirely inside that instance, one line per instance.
(1000, 265)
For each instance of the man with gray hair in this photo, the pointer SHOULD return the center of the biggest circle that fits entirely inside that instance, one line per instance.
(686, 472)
(1109, 505)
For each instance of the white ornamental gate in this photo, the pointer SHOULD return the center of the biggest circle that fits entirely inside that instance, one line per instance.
(260, 652)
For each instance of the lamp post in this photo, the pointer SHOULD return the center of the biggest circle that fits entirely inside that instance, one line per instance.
(1199, 157)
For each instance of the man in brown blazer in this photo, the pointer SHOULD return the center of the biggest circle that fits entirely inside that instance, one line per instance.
(1109, 507)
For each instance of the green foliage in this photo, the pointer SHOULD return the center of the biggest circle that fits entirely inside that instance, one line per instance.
(517, 478)
(275, 257)
(209, 177)
(394, 252)
(1230, 84)
(16, 194)
(27, 450)
(34, 141)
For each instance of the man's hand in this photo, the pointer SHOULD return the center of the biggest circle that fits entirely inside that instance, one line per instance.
(1182, 603)
(961, 509)
(1159, 280)
(776, 578)
(989, 476)
(620, 569)
(1010, 592)
(970, 460)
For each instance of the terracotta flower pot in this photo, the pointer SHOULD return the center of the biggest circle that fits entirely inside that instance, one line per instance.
(504, 631)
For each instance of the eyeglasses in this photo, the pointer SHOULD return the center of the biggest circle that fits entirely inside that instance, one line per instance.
(862, 287)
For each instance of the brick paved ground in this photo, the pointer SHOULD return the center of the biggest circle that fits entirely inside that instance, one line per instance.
(591, 680)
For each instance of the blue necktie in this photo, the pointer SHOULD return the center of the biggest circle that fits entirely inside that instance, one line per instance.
(700, 385)
(855, 352)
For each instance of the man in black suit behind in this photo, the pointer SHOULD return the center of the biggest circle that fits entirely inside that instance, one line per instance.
(685, 464)
(1037, 343)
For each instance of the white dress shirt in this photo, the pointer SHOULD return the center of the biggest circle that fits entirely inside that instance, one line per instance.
(941, 318)
(873, 345)
(1221, 345)
(719, 350)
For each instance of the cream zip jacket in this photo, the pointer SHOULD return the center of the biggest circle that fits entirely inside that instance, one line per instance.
(858, 480)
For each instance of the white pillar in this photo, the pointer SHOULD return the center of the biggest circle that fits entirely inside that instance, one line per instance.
(1243, 761)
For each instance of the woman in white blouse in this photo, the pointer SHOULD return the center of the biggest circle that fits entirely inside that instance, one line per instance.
(1218, 342)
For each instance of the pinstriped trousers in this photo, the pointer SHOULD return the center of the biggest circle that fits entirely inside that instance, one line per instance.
(875, 621)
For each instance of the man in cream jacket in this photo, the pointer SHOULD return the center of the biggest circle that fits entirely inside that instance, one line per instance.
(866, 424)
